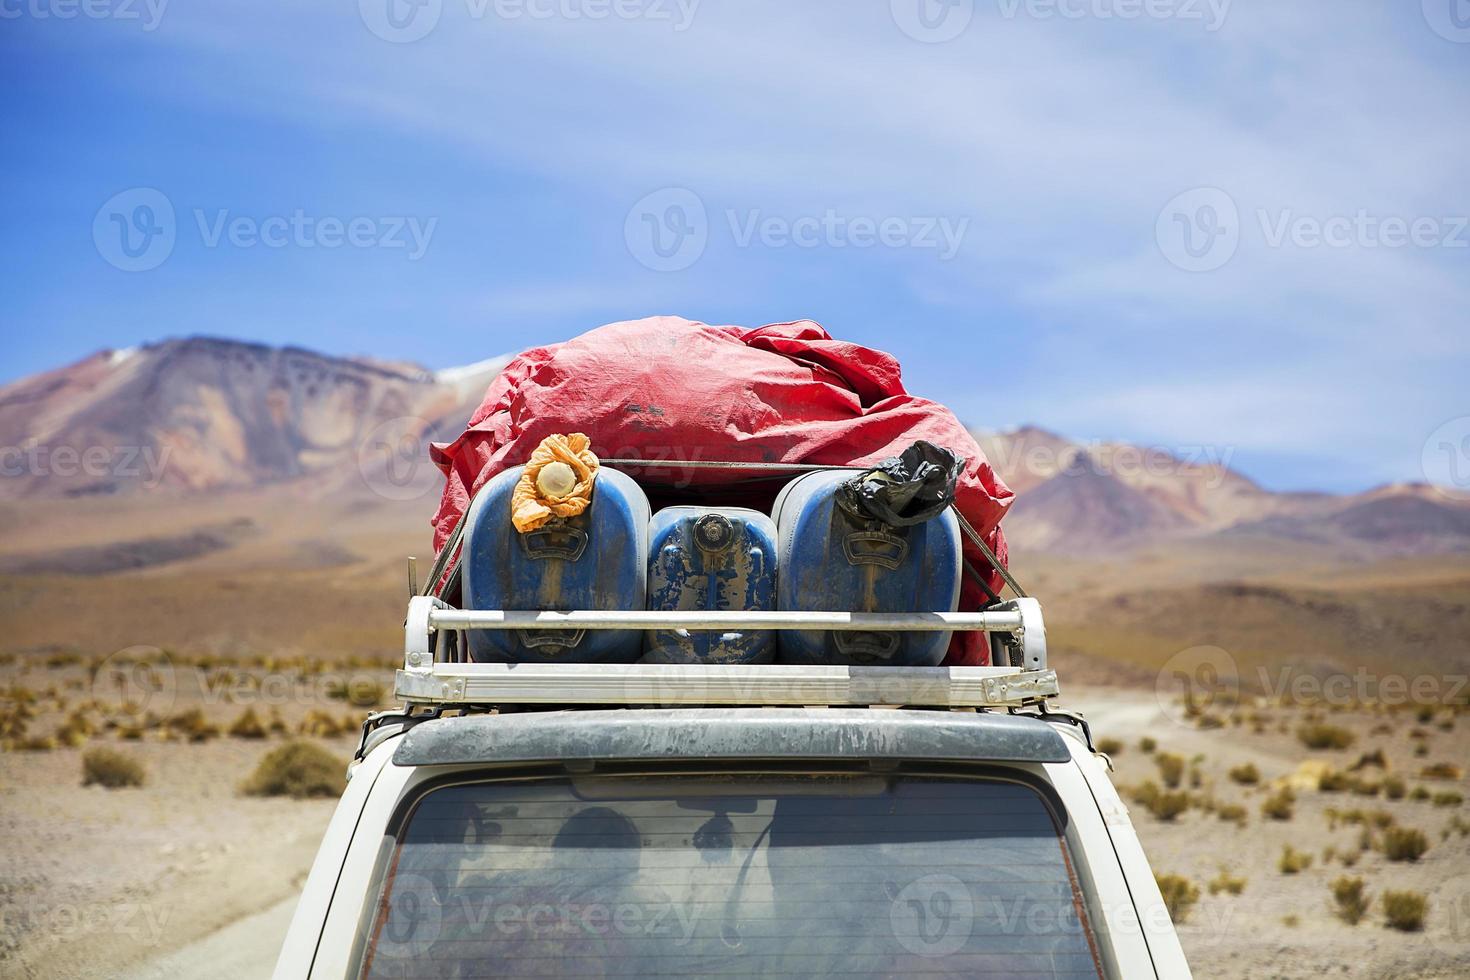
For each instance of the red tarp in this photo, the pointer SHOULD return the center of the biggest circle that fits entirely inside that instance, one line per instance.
(670, 389)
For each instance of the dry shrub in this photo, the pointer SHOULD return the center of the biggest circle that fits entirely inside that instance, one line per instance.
(1246, 775)
(1375, 759)
(1293, 861)
(298, 770)
(1350, 900)
(1319, 735)
(320, 724)
(1405, 911)
(1226, 882)
(1442, 770)
(110, 768)
(1179, 893)
(1110, 746)
(1448, 798)
(1168, 804)
(1232, 813)
(1395, 788)
(1280, 805)
(1171, 768)
(248, 725)
(193, 726)
(364, 692)
(1403, 844)
(1147, 745)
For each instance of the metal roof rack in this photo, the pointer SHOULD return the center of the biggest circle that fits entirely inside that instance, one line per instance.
(437, 673)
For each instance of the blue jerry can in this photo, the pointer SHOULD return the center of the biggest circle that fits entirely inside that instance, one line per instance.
(830, 561)
(711, 559)
(595, 560)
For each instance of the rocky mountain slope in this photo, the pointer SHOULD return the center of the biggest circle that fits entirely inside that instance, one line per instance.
(202, 414)
(1083, 498)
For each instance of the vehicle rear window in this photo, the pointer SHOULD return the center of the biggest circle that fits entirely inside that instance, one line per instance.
(853, 876)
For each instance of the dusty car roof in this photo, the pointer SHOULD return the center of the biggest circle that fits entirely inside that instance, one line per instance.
(734, 733)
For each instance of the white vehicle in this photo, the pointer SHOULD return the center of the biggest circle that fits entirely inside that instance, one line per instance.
(647, 820)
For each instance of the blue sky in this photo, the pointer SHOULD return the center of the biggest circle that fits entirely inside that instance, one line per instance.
(1178, 222)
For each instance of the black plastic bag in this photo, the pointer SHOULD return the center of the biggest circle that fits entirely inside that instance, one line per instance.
(904, 490)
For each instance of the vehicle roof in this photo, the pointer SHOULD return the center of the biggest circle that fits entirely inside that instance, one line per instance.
(681, 734)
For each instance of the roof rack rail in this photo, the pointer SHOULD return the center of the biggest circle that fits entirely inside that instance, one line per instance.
(437, 673)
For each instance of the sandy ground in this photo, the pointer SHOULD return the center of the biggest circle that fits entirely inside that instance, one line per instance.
(185, 877)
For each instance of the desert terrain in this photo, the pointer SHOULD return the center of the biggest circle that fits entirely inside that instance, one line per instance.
(1231, 647)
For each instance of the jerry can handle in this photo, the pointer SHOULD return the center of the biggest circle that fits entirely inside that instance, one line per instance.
(551, 638)
(879, 547)
(866, 646)
(554, 540)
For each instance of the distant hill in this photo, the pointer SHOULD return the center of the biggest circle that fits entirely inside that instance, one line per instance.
(1075, 498)
(203, 414)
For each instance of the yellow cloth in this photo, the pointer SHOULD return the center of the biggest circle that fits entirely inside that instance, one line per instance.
(529, 509)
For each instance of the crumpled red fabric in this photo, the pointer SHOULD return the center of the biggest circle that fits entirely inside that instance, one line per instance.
(669, 389)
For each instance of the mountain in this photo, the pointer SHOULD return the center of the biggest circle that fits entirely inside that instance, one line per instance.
(202, 417)
(1076, 498)
(204, 414)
